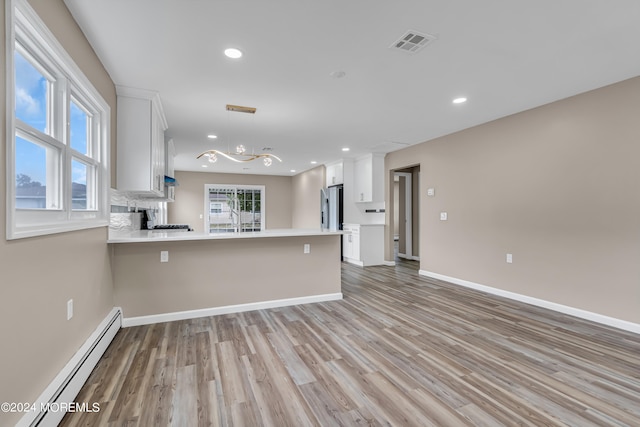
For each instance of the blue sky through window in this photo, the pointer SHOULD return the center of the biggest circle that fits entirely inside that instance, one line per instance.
(31, 160)
(31, 94)
(79, 126)
(78, 172)
(31, 108)
(31, 90)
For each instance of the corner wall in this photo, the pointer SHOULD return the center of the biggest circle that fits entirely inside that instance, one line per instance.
(556, 186)
(306, 188)
(38, 275)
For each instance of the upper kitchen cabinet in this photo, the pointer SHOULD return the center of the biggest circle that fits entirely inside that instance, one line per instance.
(369, 178)
(141, 146)
(334, 173)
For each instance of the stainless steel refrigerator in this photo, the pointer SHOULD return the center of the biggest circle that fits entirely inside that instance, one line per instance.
(331, 207)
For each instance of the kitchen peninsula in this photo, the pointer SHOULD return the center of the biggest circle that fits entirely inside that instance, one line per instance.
(163, 276)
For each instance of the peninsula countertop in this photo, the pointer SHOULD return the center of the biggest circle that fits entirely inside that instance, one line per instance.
(140, 236)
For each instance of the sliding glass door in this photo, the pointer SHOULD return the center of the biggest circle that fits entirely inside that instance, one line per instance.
(234, 208)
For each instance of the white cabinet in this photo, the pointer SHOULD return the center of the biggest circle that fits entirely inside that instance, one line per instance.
(369, 178)
(141, 145)
(351, 243)
(334, 173)
(364, 245)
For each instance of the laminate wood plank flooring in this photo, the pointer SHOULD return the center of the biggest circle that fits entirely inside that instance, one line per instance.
(398, 350)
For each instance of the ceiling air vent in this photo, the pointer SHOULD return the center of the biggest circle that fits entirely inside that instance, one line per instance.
(413, 41)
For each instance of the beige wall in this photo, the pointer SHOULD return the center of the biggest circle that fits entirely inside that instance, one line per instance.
(39, 275)
(189, 199)
(306, 188)
(216, 273)
(556, 186)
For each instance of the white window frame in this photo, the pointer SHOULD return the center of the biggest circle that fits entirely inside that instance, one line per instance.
(25, 27)
(263, 202)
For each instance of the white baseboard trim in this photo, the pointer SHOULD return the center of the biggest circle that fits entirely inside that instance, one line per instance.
(389, 263)
(65, 386)
(354, 262)
(409, 257)
(227, 309)
(572, 311)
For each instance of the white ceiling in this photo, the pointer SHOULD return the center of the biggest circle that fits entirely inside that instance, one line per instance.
(505, 56)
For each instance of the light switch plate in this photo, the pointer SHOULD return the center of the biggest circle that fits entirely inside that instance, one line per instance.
(509, 258)
(307, 248)
(69, 309)
(164, 256)
(443, 216)
(431, 192)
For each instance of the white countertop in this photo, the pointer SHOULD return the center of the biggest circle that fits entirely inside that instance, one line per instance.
(164, 236)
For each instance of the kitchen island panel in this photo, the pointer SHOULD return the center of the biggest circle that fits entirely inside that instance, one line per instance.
(205, 274)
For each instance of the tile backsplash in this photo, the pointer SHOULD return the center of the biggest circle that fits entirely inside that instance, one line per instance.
(128, 212)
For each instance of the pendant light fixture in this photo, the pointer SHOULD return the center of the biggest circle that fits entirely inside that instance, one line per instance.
(240, 155)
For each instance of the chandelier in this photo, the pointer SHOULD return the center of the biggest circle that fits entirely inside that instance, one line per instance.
(240, 155)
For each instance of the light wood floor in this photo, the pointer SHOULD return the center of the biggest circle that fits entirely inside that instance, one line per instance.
(399, 350)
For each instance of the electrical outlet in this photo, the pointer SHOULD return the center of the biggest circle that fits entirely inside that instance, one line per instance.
(164, 256)
(307, 248)
(69, 309)
(431, 192)
(509, 258)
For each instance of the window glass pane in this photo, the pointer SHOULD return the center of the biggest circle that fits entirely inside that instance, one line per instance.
(249, 202)
(31, 176)
(31, 90)
(79, 129)
(79, 197)
(223, 211)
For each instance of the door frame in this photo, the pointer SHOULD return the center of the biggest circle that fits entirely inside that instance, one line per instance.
(408, 214)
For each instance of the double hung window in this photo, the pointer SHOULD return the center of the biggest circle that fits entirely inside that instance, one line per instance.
(58, 142)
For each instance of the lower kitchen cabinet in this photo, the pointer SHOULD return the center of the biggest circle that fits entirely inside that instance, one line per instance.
(363, 244)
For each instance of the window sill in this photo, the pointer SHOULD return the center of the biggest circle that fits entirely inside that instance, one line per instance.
(47, 229)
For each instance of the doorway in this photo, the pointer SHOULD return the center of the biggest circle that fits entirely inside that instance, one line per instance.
(406, 213)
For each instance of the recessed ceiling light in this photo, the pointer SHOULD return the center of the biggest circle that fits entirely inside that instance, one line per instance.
(345, 149)
(212, 136)
(205, 166)
(292, 170)
(313, 162)
(460, 100)
(233, 53)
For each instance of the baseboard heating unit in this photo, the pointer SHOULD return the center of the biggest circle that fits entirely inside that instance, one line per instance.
(67, 384)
